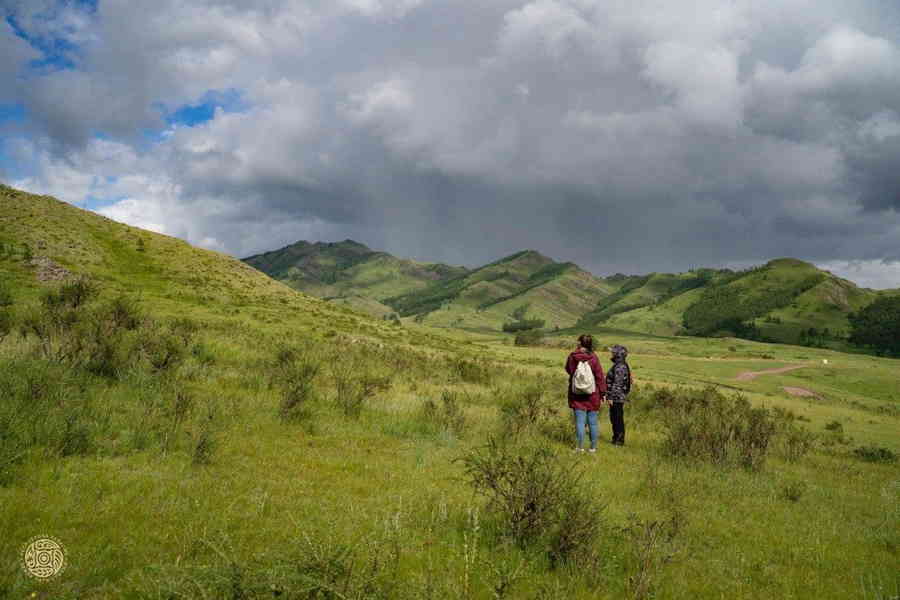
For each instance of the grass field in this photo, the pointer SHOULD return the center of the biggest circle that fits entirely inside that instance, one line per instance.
(258, 465)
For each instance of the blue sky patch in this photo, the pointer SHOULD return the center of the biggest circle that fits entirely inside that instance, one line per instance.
(205, 109)
(57, 52)
(12, 112)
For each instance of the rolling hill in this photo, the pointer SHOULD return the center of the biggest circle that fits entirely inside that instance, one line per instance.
(783, 299)
(526, 283)
(349, 273)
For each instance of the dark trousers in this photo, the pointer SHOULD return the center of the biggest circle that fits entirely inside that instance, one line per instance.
(617, 420)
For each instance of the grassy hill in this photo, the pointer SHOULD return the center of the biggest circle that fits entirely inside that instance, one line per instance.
(784, 299)
(194, 429)
(487, 297)
(349, 273)
(637, 291)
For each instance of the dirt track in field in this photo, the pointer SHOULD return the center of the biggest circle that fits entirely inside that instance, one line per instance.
(748, 375)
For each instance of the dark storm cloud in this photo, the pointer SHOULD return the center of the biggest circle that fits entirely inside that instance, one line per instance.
(620, 135)
(875, 173)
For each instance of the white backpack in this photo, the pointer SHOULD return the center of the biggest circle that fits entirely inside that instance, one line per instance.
(583, 379)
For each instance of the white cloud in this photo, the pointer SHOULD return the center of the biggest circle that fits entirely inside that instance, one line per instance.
(874, 274)
(714, 129)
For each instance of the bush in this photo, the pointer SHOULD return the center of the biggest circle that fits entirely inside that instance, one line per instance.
(875, 454)
(531, 337)
(203, 355)
(204, 443)
(471, 370)
(6, 297)
(43, 406)
(522, 325)
(535, 497)
(525, 408)
(7, 323)
(448, 416)
(709, 426)
(352, 387)
(295, 374)
(835, 426)
(793, 491)
(104, 338)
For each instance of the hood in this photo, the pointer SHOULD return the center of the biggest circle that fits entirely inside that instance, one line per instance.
(579, 355)
(619, 353)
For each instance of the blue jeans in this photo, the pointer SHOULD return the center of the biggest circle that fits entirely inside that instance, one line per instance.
(579, 426)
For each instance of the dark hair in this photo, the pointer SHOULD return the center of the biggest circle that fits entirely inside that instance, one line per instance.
(586, 341)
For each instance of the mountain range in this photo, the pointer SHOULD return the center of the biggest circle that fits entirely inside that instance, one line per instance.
(785, 299)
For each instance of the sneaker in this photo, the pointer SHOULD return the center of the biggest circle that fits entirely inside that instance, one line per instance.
(578, 449)
(592, 450)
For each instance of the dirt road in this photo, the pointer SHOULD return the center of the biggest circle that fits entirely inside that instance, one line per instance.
(748, 375)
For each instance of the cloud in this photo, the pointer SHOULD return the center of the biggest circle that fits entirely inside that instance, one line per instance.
(620, 135)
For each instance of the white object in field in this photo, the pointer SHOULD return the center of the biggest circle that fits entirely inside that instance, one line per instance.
(824, 361)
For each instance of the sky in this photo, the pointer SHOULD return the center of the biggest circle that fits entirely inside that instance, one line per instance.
(624, 135)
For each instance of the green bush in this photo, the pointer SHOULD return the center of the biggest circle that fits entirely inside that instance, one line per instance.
(525, 408)
(875, 454)
(355, 384)
(707, 425)
(6, 297)
(536, 498)
(45, 406)
(531, 337)
(471, 370)
(446, 417)
(523, 325)
(295, 375)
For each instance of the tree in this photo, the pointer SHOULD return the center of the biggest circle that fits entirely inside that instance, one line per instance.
(878, 326)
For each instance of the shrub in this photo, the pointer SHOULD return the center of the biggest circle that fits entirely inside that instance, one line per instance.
(471, 370)
(710, 426)
(535, 496)
(43, 406)
(653, 544)
(6, 297)
(205, 443)
(7, 324)
(792, 491)
(531, 337)
(875, 454)
(578, 528)
(525, 408)
(448, 416)
(523, 325)
(352, 387)
(835, 426)
(203, 355)
(295, 374)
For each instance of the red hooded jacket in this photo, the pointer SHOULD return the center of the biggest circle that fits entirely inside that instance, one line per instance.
(583, 401)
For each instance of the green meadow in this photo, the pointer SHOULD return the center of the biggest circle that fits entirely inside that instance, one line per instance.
(187, 427)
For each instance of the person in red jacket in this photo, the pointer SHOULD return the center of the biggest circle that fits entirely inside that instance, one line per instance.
(586, 406)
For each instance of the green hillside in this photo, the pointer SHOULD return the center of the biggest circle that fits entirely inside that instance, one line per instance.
(785, 300)
(637, 291)
(349, 273)
(486, 298)
(187, 427)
